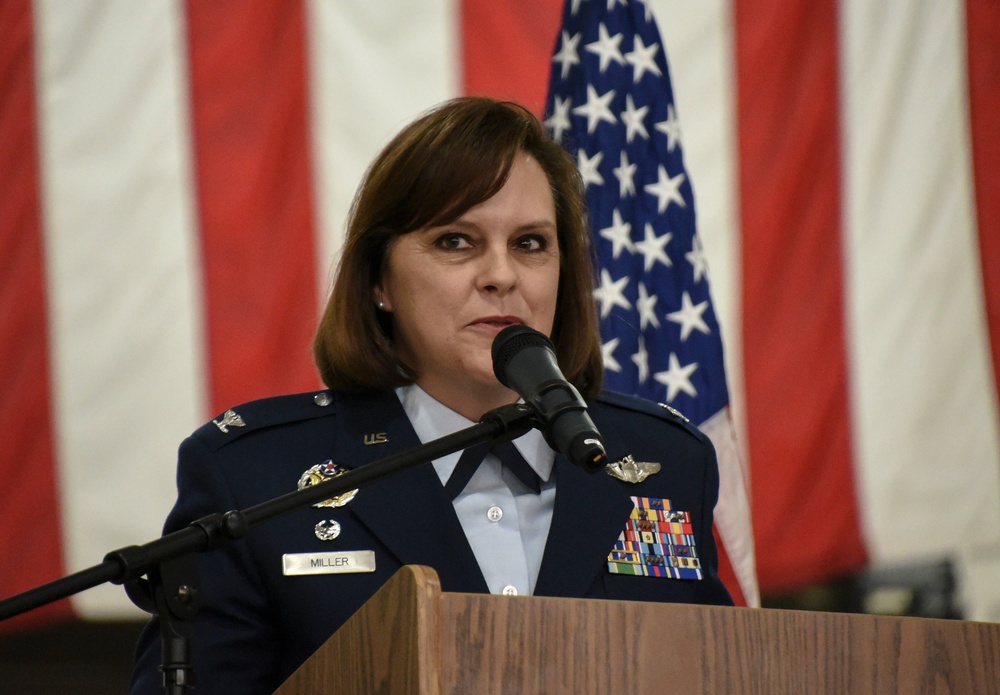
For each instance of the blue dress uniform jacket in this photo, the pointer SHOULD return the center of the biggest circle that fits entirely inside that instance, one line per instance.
(257, 625)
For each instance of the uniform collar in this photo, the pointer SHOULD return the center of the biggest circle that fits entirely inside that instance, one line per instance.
(432, 420)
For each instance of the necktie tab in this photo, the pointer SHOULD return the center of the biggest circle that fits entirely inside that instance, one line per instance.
(509, 456)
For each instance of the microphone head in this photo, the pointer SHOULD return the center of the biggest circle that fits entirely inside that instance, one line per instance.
(560, 411)
(509, 342)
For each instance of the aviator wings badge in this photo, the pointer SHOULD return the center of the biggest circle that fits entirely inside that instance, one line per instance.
(631, 471)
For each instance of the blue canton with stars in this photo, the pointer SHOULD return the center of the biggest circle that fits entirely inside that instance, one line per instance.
(611, 106)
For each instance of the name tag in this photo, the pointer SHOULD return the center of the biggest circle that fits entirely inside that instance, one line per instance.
(350, 562)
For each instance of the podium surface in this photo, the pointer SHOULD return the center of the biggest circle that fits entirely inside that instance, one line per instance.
(413, 639)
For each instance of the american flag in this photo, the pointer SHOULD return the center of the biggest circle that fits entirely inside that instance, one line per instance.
(612, 106)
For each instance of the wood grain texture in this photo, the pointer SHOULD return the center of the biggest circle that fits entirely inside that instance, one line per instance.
(410, 638)
(391, 645)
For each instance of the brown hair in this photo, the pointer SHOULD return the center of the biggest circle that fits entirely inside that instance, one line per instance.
(441, 165)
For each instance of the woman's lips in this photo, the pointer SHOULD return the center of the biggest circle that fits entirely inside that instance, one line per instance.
(497, 322)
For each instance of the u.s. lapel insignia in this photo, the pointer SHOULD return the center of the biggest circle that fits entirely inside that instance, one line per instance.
(630, 470)
(229, 419)
(322, 472)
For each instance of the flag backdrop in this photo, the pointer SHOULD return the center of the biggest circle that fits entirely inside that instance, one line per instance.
(611, 104)
(175, 178)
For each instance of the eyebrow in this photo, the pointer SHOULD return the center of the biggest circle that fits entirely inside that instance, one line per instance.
(526, 227)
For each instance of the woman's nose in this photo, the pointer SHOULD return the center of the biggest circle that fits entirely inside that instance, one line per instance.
(498, 272)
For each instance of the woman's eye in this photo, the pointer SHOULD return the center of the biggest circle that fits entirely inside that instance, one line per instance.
(452, 242)
(531, 243)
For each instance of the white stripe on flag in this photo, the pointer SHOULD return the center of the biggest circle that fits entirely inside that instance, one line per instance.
(374, 67)
(732, 513)
(121, 262)
(925, 411)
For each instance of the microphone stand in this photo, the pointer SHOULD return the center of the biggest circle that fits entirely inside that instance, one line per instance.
(170, 588)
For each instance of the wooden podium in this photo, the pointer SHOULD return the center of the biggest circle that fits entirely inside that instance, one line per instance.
(412, 639)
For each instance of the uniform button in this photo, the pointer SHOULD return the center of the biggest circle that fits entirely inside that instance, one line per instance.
(322, 399)
(494, 513)
(509, 590)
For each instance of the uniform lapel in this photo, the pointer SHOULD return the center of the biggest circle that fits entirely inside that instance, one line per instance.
(409, 511)
(590, 512)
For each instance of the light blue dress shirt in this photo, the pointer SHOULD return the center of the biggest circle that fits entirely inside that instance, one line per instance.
(506, 523)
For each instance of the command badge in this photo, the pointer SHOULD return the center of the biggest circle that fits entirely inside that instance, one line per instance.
(320, 473)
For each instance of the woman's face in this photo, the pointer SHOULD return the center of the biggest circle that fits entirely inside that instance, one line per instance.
(452, 288)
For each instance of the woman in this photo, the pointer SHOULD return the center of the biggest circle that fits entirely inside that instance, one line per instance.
(469, 221)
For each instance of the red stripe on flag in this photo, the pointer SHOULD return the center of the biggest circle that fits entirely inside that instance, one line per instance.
(30, 533)
(983, 30)
(255, 200)
(793, 299)
(507, 48)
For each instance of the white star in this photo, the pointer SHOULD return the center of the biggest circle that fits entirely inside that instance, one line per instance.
(641, 58)
(653, 248)
(625, 173)
(612, 3)
(646, 306)
(671, 128)
(568, 56)
(619, 234)
(559, 121)
(597, 108)
(632, 118)
(677, 378)
(645, 3)
(667, 189)
(696, 257)
(608, 355)
(611, 293)
(641, 361)
(689, 316)
(576, 6)
(606, 47)
(588, 167)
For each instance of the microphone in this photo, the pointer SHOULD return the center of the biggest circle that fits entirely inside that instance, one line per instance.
(525, 360)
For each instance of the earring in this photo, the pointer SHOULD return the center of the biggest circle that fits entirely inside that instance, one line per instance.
(381, 305)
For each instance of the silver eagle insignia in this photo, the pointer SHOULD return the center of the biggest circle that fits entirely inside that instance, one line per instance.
(673, 411)
(322, 472)
(229, 419)
(630, 470)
